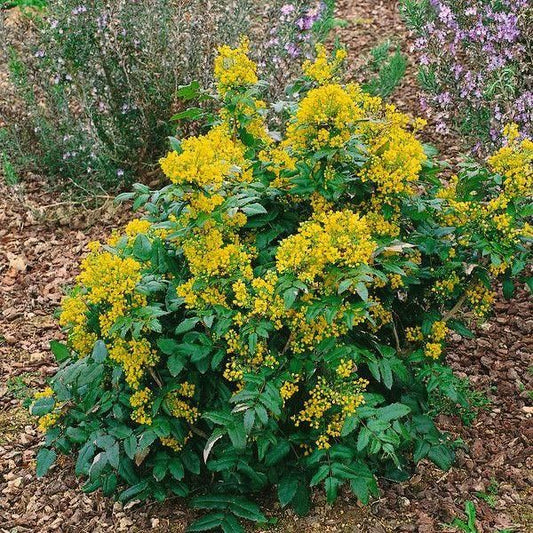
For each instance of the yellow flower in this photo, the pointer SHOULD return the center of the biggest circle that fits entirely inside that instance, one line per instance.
(439, 331)
(108, 280)
(414, 334)
(108, 277)
(47, 421)
(329, 405)
(46, 393)
(480, 299)
(181, 409)
(323, 70)
(233, 68)
(241, 293)
(135, 357)
(510, 132)
(136, 227)
(208, 160)
(515, 163)
(187, 389)
(73, 311)
(445, 287)
(141, 401)
(288, 389)
(174, 444)
(345, 368)
(326, 117)
(396, 281)
(331, 238)
(208, 254)
(433, 350)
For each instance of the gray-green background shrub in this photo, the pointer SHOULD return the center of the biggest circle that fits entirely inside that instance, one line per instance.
(98, 79)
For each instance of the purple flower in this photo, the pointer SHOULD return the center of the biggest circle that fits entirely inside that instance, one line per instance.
(292, 49)
(287, 9)
(305, 23)
(444, 98)
(79, 10)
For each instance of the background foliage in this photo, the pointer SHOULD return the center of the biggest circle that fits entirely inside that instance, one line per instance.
(98, 79)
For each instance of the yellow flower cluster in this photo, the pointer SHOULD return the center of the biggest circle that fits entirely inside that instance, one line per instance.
(330, 115)
(288, 389)
(107, 292)
(208, 254)
(331, 238)
(199, 298)
(396, 281)
(74, 316)
(187, 389)
(200, 202)
(135, 227)
(141, 401)
(245, 359)
(480, 299)
(174, 444)
(326, 118)
(179, 407)
(47, 421)
(50, 419)
(109, 281)
(322, 69)
(433, 350)
(439, 330)
(414, 334)
(233, 68)
(280, 163)
(328, 406)
(307, 334)
(135, 357)
(515, 164)
(254, 110)
(379, 313)
(445, 287)
(396, 155)
(47, 392)
(109, 278)
(379, 224)
(208, 160)
(345, 368)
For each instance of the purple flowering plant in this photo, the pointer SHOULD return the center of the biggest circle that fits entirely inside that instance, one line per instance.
(474, 65)
(298, 25)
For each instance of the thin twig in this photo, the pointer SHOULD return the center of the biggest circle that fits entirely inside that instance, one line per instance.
(156, 378)
(453, 311)
(396, 338)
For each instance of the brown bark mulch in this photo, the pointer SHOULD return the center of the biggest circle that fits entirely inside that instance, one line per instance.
(41, 242)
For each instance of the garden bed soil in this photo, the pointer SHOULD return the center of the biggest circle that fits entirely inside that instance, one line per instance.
(42, 239)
